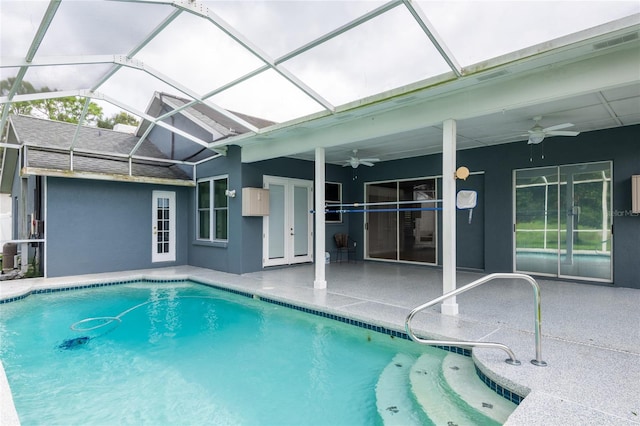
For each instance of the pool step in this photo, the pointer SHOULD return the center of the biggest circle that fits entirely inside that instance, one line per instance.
(434, 395)
(459, 373)
(393, 395)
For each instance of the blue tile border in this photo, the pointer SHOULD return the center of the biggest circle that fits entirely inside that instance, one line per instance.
(85, 286)
(505, 393)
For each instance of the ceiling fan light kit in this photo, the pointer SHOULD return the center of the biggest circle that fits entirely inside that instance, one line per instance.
(538, 133)
(354, 161)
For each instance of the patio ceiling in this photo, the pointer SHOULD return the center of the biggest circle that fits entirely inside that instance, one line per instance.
(338, 67)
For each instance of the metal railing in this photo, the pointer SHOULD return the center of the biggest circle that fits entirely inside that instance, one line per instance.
(512, 358)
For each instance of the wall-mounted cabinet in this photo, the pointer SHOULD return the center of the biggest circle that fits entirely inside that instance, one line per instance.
(255, 202)
(635, 194)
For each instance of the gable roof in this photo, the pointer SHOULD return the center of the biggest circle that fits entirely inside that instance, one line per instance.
(214, 123)
(216, 120)
(63, 149)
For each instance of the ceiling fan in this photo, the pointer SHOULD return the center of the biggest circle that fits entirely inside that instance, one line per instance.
(354, 161)
(538, 133)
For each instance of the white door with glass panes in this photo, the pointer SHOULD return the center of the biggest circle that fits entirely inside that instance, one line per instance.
(163, 246)
(288, 229)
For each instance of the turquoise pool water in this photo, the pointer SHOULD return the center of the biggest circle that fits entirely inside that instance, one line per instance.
(189, 354)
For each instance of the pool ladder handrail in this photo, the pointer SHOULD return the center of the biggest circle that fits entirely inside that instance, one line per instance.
(512, 358)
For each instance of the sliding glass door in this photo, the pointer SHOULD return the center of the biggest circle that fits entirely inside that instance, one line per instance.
(399, 225)
(563, 221)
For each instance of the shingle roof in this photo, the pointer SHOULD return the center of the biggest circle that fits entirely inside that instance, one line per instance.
(49, 143)
(217, 121)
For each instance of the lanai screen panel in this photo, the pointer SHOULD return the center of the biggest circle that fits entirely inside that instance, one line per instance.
(479, 30)
(277, 60)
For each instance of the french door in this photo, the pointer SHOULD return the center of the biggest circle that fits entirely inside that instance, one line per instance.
(562, 221)
(288, 229)
(163, 245)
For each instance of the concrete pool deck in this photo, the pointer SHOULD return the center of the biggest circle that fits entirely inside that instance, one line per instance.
(590, 334)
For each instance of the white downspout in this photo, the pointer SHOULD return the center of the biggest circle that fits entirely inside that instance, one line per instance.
(320, 280)
(450, 306)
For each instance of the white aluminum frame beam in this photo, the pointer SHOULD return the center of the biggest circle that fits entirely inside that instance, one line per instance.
(125, 61)
(617, 69)
(35, 44)
(433, 35)
(201, 10)
(157, 30)
(97, 95)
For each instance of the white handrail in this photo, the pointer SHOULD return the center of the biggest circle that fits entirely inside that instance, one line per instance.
(512, 359)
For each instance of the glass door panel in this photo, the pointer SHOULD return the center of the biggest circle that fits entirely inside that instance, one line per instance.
(276, 221)
(418, 228)
(301, 221)
(585, 222)
(382, 227)
(563, 221)
(536, 220)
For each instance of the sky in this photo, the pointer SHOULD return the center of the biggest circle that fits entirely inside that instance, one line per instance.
(388, 52)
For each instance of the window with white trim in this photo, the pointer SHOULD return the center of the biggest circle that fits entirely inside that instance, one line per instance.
(213, 209)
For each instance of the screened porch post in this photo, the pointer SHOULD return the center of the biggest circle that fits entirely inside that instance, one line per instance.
(320, 281)
(449, 306)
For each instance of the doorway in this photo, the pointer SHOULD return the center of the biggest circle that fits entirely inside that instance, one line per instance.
(562, 221)
(288, 229)
(163, 247)
(395, 229)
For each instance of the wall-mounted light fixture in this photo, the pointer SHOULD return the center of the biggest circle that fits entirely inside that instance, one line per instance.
(230, 193)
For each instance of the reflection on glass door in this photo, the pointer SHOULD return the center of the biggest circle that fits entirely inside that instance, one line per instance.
(563, 221)
(395, 233)
(382, 226)
(536, 228)
(585, 222)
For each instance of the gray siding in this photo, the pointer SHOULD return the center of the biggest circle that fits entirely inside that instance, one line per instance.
(99, 226)
(485, 244)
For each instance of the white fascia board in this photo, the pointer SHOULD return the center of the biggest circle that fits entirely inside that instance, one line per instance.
(38, 171)
(616, 69)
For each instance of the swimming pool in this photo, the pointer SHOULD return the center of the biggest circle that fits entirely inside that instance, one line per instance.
(186, 353)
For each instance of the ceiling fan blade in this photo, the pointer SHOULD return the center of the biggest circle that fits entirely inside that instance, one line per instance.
(369, 160)
(366, 163)
(562, 133)
(557, 127)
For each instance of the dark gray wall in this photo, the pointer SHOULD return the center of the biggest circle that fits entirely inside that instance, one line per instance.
(224, 256)
(470, 237)
(243, 251)
(99, 226)
(498, 163)
(618, 145)
(485, 244)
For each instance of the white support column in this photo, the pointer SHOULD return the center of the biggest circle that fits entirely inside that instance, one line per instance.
(320, 281)
(449, 306)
